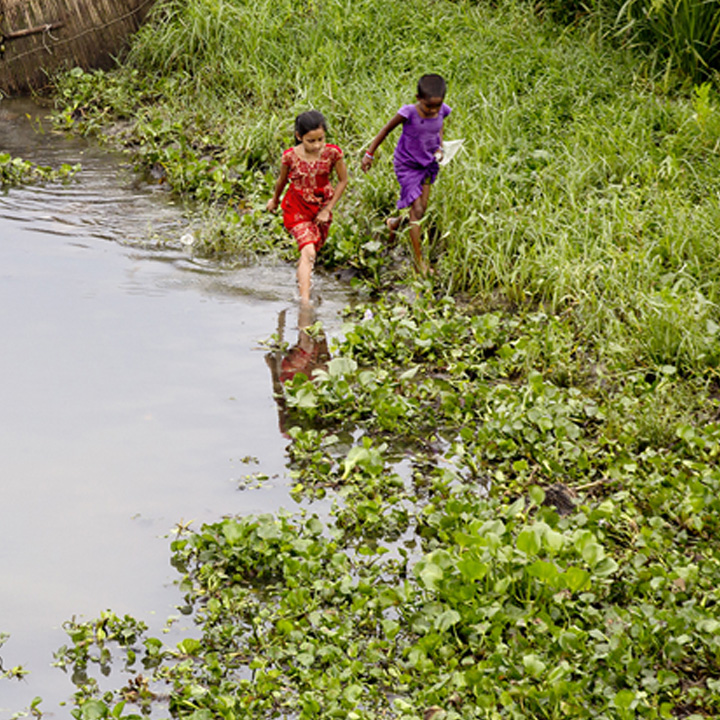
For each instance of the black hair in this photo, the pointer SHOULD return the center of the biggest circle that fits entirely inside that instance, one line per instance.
(431, 86)
(307, 122)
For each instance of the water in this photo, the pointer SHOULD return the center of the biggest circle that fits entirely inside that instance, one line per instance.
(134, 395)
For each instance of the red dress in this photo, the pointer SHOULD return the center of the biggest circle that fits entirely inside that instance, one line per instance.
(307, 193)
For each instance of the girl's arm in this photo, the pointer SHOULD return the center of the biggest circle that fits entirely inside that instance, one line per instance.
(342, 176)
(375, 144)
(440, 153)
(279, 187)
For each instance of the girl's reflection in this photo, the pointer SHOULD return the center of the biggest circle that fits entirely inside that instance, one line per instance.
(309, 352)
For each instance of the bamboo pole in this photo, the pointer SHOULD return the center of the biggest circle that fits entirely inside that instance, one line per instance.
(32, 31)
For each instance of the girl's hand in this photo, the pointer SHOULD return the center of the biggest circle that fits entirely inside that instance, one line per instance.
(323, 216)
(271, 205)
(367, 162)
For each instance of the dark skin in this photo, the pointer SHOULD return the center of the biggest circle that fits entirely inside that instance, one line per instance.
(427, 108)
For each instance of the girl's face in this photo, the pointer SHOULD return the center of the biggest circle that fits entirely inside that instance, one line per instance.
(429, 107)
(313, 141)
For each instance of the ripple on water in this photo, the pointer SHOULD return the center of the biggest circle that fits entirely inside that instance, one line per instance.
(133, 390)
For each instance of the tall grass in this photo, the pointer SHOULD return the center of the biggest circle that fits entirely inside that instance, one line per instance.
(682, 34)
(578, 189)
(674, 36)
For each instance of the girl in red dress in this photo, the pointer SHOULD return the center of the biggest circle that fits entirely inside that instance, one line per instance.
(310, 198)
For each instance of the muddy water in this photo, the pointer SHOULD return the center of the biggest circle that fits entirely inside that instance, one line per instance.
(134, 395)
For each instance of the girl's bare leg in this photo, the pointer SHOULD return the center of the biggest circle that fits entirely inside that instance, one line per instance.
(304, 271)
(417, 212)
(393, 223)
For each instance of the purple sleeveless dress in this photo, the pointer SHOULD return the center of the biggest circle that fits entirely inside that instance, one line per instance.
(414, 153)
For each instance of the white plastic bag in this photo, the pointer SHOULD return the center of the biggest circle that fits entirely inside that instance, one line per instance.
(449, 150)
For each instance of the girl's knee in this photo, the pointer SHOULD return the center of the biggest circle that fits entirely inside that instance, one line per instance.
(308, 253)
(416, 212)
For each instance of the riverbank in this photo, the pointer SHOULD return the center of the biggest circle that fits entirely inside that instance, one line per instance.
(522, 457)
(582, 188)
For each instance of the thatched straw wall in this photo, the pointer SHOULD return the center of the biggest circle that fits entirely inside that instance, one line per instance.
(39, 37)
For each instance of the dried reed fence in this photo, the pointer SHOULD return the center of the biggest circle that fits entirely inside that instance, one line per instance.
(40, 37)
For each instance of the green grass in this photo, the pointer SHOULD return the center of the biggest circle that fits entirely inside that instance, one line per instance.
(580, 189)
(679, 35)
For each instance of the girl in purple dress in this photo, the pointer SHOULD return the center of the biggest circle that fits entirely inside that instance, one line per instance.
(416, 155)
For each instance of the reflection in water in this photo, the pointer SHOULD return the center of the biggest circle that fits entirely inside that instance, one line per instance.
(309, 353)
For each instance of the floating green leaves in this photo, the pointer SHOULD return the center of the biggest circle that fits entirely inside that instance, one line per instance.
(459, 580)
(508, 609)
(16, 171)
(17, 672)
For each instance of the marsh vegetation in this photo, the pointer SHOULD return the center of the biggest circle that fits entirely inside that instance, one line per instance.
(521, 458)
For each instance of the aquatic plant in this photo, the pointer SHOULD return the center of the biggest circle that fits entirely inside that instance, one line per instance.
(509, 610)
(16, 171)
(507, 539)
(17, 672)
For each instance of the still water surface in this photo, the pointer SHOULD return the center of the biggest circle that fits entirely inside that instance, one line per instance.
(134, 395)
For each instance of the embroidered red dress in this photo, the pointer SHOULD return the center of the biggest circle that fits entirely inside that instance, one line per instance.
(309, 189)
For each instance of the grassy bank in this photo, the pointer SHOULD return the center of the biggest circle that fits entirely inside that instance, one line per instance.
(581, 189)
(521, 460)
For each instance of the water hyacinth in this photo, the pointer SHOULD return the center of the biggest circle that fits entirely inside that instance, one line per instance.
(549, 551)
(17, 171)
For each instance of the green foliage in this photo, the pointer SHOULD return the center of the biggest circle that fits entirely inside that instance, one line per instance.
(519, 456)
(672, 38)
(502, 615)
(16, 171)
(500, 392)
(578, 191)
(459, 583)
(17, 672)
(682, 34)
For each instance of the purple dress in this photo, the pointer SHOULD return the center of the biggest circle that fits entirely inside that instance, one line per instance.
(414, 155)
